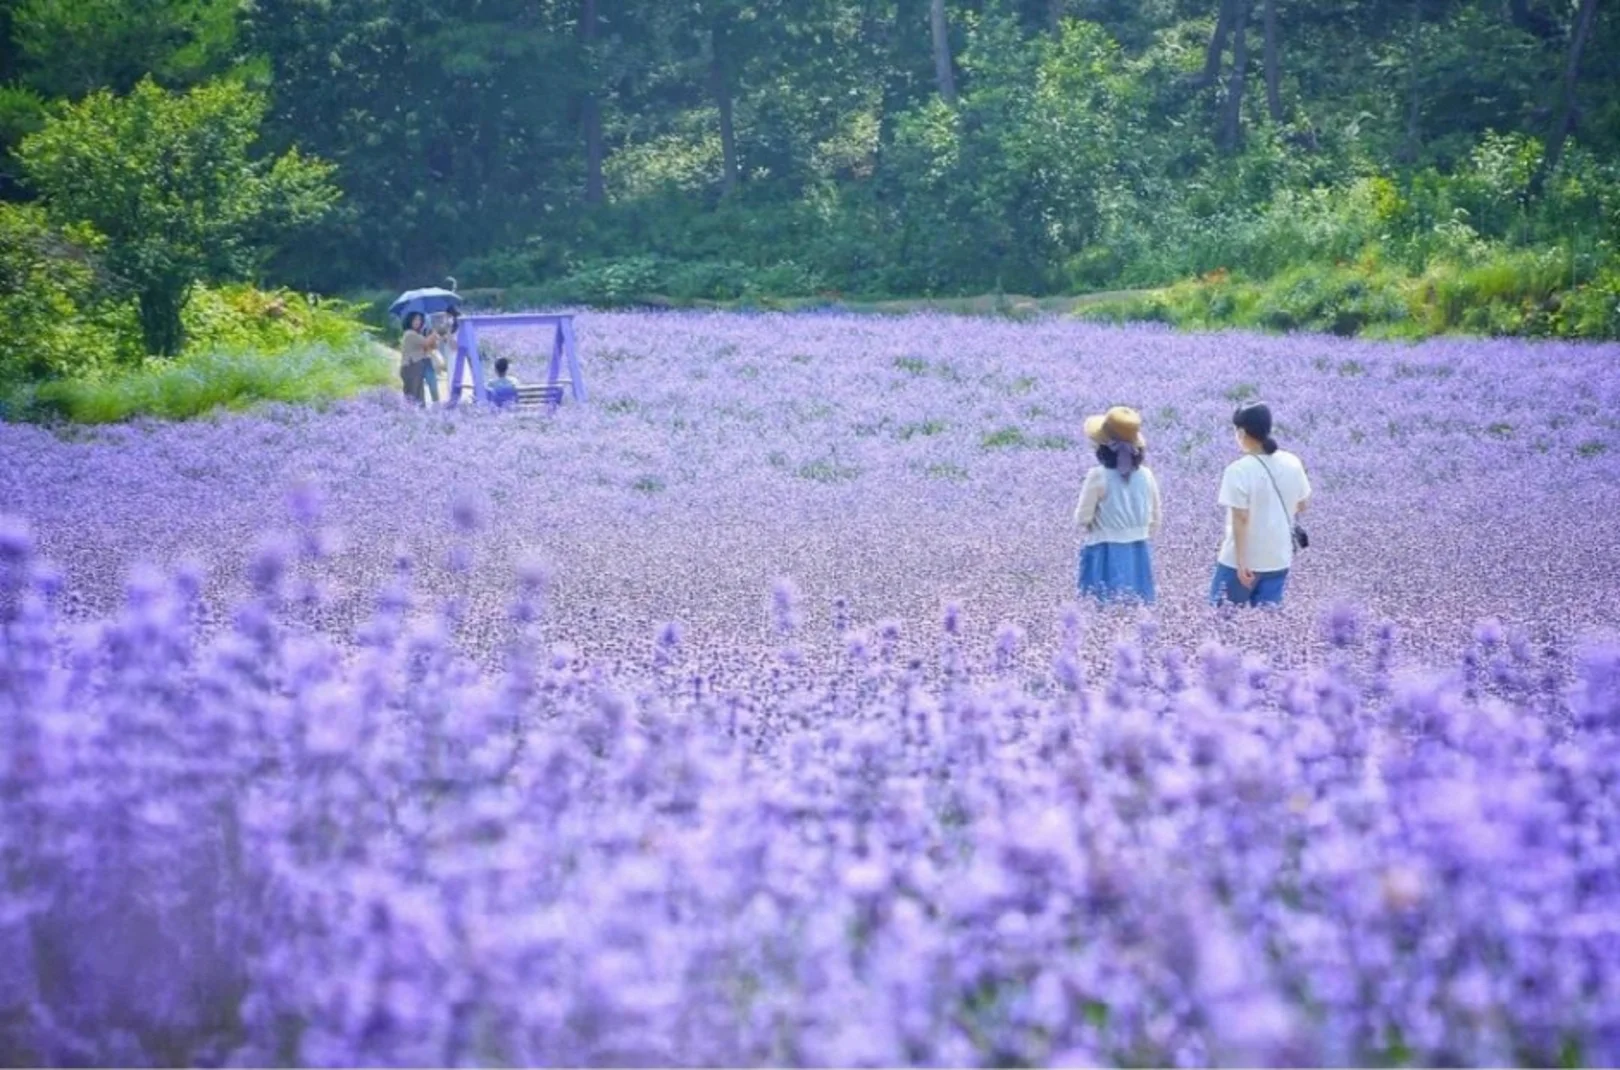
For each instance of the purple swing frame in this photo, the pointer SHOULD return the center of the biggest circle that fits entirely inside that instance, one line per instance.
(562, 348)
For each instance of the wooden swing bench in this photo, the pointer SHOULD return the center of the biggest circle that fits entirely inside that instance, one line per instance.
(547, 394)
(529, 395)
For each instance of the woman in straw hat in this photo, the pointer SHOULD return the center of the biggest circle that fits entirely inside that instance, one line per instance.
(1119, 511)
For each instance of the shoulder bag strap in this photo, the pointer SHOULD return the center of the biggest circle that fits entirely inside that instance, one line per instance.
(1280, 499)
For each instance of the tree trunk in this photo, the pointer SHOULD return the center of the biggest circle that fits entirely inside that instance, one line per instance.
(591, 109)
(720, 85)
(942, 52)
(1412, 142)
(1569, 113)
(892, 31)
(1530, 21)
(159, 306)
(1232, 119)
(1217, 45)
(1273, 65)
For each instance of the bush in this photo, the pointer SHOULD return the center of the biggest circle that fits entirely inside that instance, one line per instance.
(50, 296)
(242, 318)
(639, 279)
(84, 363)
(170, 180)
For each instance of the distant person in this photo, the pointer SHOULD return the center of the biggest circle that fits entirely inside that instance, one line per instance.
(444, 350)
(503, 389)
(1119, 512)
(1263, 492)
(415, 351)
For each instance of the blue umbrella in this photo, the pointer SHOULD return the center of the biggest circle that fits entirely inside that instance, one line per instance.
(427, 301)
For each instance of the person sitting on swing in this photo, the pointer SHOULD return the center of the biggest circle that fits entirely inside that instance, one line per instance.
(503, 389)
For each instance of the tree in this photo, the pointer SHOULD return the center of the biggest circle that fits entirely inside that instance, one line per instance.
(1569, 112)
(591, 108)
(1232, 112)
(942, 51)
(72, 47)
(170, 182)
(455, 126)
(718, 56)
(1273, 62)
(1217, 46)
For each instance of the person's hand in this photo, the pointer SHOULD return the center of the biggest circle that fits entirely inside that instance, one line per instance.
(1246, 577)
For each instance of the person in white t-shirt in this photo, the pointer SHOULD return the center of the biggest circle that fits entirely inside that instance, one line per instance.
(1262, 492)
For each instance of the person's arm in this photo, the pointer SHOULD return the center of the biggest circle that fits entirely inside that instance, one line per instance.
(1240, 545)
(1305, 492)
(1235, 497)
(1091, 494)
(1155, 505)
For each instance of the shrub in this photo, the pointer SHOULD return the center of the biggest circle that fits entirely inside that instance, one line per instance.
(50, 295)
(238, 318)
(171, 182)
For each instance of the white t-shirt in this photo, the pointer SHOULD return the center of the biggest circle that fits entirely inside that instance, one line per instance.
(1245, 485)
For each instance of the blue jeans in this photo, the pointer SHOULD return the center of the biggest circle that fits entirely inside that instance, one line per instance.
(1267, 590)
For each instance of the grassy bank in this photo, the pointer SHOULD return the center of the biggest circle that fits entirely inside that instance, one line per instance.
(1528, 293)
(1520, 294)
(521, 298)
(194, 385)
(245, 346)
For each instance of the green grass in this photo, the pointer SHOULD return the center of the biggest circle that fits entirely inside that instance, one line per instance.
(1520, 292)
(194, 385)
(1008, 437)
(827, 471)
(1007, 306)
(925, 428)
(946, 471)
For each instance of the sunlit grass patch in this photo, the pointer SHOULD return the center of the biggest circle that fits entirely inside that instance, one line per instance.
(191, 386)
(1008, 437)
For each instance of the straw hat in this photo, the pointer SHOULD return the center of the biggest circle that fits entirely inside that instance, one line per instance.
(1117, 424)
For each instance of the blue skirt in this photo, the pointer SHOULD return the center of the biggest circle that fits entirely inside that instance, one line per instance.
(1117, 571)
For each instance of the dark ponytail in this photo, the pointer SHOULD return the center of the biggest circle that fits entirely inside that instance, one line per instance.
(1254, 419)
(1121, 457)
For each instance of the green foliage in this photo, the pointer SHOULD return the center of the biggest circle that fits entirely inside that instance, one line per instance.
(1509, 292)
(453, 125)
(651, 279)
(49, 301)
(83, 358)
(770, 154)
(169, 181)
(71, 48)
(196, 384)
(243, 318)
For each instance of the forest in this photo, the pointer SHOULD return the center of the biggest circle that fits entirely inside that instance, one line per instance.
(1404, 167)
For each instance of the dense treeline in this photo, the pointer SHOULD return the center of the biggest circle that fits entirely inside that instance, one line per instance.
(601, 149)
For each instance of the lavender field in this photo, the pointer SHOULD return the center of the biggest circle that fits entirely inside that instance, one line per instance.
(741, 716)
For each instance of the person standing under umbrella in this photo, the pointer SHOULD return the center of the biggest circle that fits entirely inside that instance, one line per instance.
(416, 348)
(444, 350)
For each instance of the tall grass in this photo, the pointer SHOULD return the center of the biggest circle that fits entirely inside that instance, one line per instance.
(1524, 292)
(200, 383)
